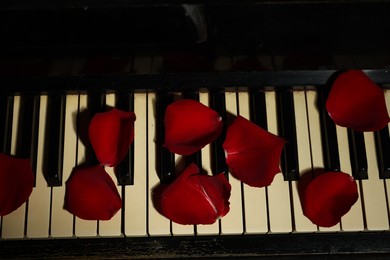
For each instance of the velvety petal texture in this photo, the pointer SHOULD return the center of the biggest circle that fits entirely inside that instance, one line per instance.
(194, 198)
(16, 183)
(91, 194)
(111, 134)
(189, 126)
(328, 197)
(252, 153)
(356, 102)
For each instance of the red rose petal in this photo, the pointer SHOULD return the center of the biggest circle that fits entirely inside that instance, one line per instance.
(252, 153)
(111, 134)
(91, 194)
(189, 126)
(195, 199)
(356, 102)
(328, 197)
(16, 183)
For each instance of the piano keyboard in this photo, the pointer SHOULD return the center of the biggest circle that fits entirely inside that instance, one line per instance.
(270, 210)
(273, 209)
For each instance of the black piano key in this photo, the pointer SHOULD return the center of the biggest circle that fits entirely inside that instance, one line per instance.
(6, 115)
(287, 130)
(54, 139)
(329, 135)
(382, 140)
(258, 109)
(357, 150)
(218, 160)
(125, 169)
(27, 139)
(196, 157)
(165, 159)
(96, 103)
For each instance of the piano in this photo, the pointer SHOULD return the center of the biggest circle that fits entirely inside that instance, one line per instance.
(272, 62)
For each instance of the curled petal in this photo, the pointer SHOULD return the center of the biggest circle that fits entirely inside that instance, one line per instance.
(16, 183)
(189, 126)
(356, 102)
(111, 134)
(252, 153)
(195, 199)
(91, 194)
(328, 197)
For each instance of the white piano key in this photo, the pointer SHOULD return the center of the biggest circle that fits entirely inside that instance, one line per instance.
(315, 139)
(255, 199)
(158, 225)
(232, 223)
(212, 229)
(279, 208)
(61, 219)
(374, 196)
(83, 228)
(39, 202)
(13, 223)
(112, 227)
(135, 200)
(179, 229)
(302, 223)
(353, 220)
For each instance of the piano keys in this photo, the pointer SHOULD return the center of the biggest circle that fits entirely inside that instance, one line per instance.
(277, 206)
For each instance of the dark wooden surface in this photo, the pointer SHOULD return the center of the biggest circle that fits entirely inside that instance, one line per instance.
(318, 246)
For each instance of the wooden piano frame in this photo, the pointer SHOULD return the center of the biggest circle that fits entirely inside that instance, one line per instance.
(304, 28)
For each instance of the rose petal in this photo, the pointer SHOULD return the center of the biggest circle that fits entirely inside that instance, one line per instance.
(252, 153)
(111, 134)
(195, 199)
(189, 126)
(16, 183)
(328, 197)
(356, 102)
(91, 194)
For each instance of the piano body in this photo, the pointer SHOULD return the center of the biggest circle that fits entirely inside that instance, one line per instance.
(269, 61)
